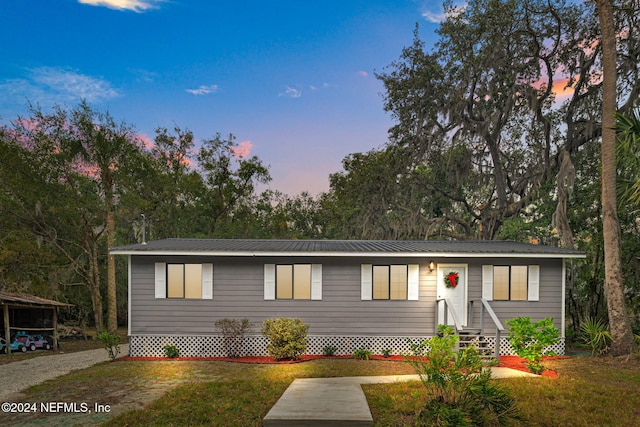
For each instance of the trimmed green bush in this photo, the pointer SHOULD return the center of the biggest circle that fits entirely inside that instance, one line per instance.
(171, 351)
(329, 350)
(287, 337)
(363, 353)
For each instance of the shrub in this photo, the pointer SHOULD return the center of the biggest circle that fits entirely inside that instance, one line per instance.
(459, 391)
(329, 350)
(596, 335)
(171, 351)
(233, 332)
(363, 353)
(529, 339)
(287, 337)
(386, 353)
(111, 344)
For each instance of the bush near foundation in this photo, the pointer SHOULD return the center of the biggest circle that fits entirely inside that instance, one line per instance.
(287, 337)
(529, 339)
(233, 333)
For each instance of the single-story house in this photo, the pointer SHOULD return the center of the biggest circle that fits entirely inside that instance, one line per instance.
(377, 294)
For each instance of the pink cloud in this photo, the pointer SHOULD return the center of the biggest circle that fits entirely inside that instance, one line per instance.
(242, 149)
(145, 140)
(363, 73)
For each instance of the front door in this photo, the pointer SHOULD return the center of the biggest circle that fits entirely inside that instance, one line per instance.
(456, 295)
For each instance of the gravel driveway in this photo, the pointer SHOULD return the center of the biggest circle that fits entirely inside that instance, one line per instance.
(17, 376)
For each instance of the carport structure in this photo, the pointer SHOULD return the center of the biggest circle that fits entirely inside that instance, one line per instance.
(22, 312)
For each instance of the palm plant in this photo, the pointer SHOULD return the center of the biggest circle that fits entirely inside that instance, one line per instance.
(460, 392)
(595, 333)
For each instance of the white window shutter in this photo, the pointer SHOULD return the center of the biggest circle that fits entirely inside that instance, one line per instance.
(269, 281)
(366, 282)
(316, 281)
(207, 281)
(534, 283)
(161, 280)
(487, 282)
(413, 282)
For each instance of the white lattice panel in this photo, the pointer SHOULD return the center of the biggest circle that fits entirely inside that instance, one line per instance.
(256, 345)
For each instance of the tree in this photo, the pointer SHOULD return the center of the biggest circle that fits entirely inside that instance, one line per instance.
(98, 143)
(622, 336)
(76, 159)
(490, 89)
(230, 182)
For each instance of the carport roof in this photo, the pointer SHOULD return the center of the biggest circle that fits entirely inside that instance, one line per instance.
(10, 298)
(345, 248)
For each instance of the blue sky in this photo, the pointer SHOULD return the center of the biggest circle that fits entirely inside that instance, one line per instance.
(292, 80)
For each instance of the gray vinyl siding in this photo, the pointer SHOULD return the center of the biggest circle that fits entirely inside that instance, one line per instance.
(238, 292)
(548, 305)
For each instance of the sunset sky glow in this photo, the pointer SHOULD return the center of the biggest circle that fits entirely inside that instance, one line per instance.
(293, 81)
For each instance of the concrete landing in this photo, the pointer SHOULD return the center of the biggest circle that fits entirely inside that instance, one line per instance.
(338, 402)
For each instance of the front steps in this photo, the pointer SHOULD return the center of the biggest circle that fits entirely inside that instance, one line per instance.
(473, 336)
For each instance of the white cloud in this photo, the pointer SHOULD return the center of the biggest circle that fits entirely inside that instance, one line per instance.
(203, 90)
(363, 73)
(134, 5)
(291, 92)
(51, 85)
(438, 17)
(434, 17)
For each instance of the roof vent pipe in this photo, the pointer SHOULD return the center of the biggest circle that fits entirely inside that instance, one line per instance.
(144, 226)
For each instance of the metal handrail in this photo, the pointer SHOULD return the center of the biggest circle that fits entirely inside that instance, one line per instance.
(499, 328)
(448, 306)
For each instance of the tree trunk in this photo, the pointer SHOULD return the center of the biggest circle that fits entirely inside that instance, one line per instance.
(112, 311)
(94, 286)
(621, 333)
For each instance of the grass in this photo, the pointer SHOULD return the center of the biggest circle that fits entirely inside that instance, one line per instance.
(589, 391)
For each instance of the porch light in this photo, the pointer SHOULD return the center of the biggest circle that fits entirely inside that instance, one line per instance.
(432, 265)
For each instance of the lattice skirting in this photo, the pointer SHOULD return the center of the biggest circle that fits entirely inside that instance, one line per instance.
(256, 345)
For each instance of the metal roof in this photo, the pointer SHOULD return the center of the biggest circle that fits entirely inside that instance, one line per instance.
(10, 298)
(393, 248)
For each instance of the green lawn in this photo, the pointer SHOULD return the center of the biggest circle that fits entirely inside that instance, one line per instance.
(140, 393)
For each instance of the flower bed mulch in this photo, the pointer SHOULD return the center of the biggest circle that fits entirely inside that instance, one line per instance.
(263, 359)
(513, 362)
(520, 364)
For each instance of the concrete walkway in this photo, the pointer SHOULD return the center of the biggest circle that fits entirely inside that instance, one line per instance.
(339, 401)
(17, 376)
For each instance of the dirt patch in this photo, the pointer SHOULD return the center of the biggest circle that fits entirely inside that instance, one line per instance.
(86, 407)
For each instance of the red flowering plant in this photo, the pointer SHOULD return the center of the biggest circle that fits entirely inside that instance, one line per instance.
(451, 279)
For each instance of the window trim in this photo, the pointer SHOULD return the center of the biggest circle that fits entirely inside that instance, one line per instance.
(533, 282)
(161, 281)
(510, 282)
(270, 285)
(293, 281)
(412, 282)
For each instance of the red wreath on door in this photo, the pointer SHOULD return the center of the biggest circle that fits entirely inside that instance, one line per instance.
(451, 279)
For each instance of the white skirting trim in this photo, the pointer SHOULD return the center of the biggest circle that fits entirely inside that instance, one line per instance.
(256, 345)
